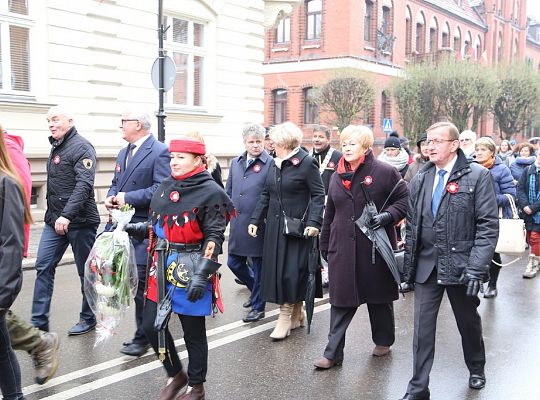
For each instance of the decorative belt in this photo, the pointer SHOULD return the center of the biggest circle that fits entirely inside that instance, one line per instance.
(165, 245)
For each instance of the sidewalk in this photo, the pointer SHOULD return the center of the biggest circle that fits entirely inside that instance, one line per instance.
(35, 235)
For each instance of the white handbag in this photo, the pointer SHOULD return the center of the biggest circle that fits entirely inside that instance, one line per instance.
(512, 235)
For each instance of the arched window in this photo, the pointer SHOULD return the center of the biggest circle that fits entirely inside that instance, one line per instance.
(446, 35)
(433, 36)
(283, 31)
(280, 105)
(311, 110)
(313, 19)
(479, 49)
(408, 32)
(369, 21)
(457, 40)
(420, 34)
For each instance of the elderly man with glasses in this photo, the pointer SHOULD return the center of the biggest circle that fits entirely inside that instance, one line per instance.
(140, 168)
(452, 230)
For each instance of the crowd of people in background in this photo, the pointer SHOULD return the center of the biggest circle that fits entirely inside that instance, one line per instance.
(282, 201)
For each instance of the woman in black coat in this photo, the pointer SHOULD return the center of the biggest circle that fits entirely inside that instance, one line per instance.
(354, 278)
(293, 188)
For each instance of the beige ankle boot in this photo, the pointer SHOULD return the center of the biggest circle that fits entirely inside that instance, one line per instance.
(298, 317)
(283, 326)
(532, 267)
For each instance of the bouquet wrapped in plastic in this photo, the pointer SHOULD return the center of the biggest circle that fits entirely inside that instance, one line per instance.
(110, 275)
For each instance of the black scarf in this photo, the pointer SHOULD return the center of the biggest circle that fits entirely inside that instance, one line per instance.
(197, 195)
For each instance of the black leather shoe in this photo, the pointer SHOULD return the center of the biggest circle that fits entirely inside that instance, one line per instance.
(239, 282)
(135, 349)
(407, 287)
(253, 316)
(81, 327)
(247, 304)
(415, 397)
(477, 381)
(490, 292)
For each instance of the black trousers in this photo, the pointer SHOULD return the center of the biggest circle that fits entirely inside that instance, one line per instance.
(196, 344)
(494, 270)
(381, 318)
(140, 337)
(427, 301)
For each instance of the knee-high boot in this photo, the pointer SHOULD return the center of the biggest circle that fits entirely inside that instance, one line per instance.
(298, 317)
(283, 326)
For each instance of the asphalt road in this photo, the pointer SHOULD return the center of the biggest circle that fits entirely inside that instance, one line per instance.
(245, 364)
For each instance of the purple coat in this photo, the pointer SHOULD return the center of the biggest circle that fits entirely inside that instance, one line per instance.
(354, 280)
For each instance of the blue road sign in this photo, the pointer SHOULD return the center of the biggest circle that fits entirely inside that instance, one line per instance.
(387, 125)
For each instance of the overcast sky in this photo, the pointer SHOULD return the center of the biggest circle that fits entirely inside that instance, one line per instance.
(533, 9)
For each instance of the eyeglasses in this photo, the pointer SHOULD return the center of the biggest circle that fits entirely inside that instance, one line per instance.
(122, 121)
(438, 142)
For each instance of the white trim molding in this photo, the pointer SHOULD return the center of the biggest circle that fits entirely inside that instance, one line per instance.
(276, 10)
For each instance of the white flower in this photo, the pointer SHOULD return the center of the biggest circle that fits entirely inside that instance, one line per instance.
(108, 310)
(106, 291)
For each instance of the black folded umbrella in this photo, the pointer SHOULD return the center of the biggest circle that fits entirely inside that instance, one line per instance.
(379, 237)
(311, 289)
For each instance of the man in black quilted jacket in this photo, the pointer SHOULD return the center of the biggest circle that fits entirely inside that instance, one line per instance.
(71, 218)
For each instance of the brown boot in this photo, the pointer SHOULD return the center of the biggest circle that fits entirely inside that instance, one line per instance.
(174, 385)
(195, 392)
(283, 326)
(298, 317)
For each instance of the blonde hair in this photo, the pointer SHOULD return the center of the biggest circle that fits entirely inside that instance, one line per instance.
(198, 136)
(286, 135)
(452, 130)
(487, 142)
(362, 133)
(7, 167)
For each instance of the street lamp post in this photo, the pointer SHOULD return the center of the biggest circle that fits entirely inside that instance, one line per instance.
(161, 90)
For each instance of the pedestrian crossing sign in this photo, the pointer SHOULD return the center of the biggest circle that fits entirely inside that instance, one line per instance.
(387, 125)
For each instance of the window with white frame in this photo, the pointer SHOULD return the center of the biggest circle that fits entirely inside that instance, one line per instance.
(283, 31)
(314, 19)
(15, 26)
(185, 44)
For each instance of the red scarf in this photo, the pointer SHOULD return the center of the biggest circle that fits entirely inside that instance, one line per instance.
(190, 173)
(489, 162)
(346, 172)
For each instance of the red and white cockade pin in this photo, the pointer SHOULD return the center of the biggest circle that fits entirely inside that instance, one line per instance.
(257, 168)
(295, 161)
(56, 159)
(331, 164)
(368, 180)
(452, 187)
(174, 196)
(117, 169)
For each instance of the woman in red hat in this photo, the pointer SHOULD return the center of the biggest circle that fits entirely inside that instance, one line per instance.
(189, 212)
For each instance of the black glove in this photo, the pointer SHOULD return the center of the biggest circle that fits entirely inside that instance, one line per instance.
(324, 255)
(138, 230)
(380, 220)
(197, 284)
(473, 286)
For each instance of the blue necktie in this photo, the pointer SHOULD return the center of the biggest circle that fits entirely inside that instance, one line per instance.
(129, 154)
(438, 193)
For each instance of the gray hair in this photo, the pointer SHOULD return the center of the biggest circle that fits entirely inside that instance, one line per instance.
(253, 129)
(61, 110)
(286, 135)
(142, 116)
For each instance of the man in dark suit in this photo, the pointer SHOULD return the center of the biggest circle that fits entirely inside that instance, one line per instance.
(452, 230)
(247, 177)
(328, 159)
(140, 168)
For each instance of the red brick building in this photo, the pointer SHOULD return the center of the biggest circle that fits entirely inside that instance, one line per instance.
(381, 37)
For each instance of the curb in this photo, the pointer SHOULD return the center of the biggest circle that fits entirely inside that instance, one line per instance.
(29, 263)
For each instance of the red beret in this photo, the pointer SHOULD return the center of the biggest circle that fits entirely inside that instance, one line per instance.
(185, 145)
